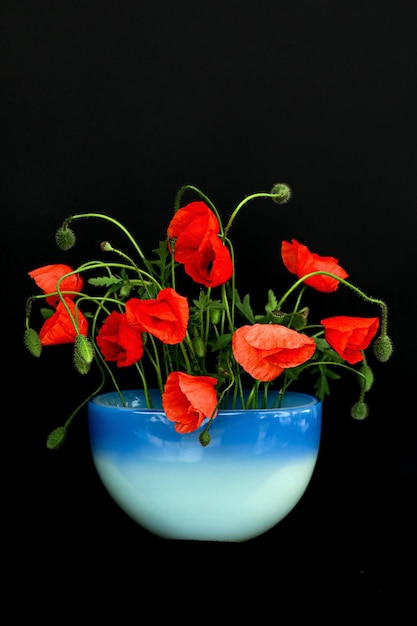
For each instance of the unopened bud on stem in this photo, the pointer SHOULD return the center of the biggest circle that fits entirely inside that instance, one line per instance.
(83, 354)
(32, 342)
(65, 238)
(204, 438)
(56, 438)
(360, 410)
(369, 377)
(281, 192)
(383, 348)
(199, 347)
(84, 348)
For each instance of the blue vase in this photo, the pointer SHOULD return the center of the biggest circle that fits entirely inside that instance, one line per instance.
(254, 471)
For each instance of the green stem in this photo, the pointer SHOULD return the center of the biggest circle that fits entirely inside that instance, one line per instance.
(253, 396)
(92, 265)
(123, 255)
(202, 195)
(228, 312)
(154, 358)
(287, 382)
(336, 364)
(107, 218)
(253, 196)
(185, 356)
(380, 303)
(86, 400)
(205, 327)
(140, 369)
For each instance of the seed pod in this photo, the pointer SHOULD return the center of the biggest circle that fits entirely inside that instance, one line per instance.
(383, 348)
(32, 342)
(199, 347)
(215, 315)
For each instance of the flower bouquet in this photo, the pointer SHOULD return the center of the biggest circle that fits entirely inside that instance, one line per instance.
(211, 349)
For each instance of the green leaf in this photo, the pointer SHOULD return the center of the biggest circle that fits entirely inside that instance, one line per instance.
(244, 307)
(162, 251)
(162, 263)
(293, 373)
(321, 344)
(221, 342)
(272, 304)
(321, 386)
(324, 352)
(105, 281)
(46, 312)
(203, 301)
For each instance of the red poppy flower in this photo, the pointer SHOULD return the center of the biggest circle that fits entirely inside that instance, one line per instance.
(165, 317)
(118, 341)
(265, 350)
(46, 278)
(206, 259)
(189, 226)
(59, 328)
(211, 265)
(300, 261)
(187, 400)
(349, 335)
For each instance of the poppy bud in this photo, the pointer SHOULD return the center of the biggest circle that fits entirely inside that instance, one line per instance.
(369, 377)
(204, 438)
(56, 438)
(199, 347)
(32, 342)
(83, 354)
(80, 365)
(360, 410)
(125, 290)
(281, 192)
(65, 238)
(215, 316)
(106, 246)
(84, 348)
(383, 348)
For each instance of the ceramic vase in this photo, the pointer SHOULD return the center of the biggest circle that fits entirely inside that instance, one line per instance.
(254, 471)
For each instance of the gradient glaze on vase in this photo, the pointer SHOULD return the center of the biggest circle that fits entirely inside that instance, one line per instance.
(254, 471)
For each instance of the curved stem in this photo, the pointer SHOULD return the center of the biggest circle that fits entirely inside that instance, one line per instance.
(253, 196)
(88, 398)
(362, 294)
(107, 218)
(202, 195)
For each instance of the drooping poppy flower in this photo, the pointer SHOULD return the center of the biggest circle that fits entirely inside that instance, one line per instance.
(189, 226)
(59, 328)
(349, 335)
(165, 317)
(187, 400)
(46, 278)
(211, 265)
(265, 350)
(118, 341)
(193, 235)
(300, 261)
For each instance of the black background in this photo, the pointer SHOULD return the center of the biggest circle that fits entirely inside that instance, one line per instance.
(112, 106)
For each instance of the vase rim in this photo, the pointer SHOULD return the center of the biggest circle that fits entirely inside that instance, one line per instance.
(292, 399)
